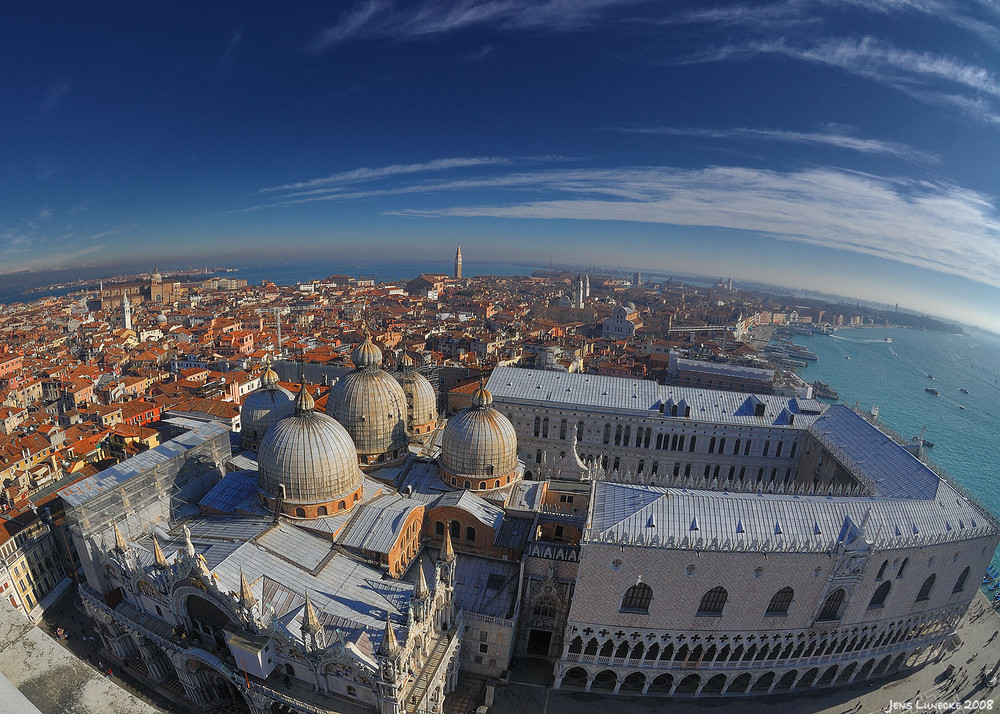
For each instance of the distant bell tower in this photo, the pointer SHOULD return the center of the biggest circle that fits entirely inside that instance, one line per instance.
(126, 313)
(458, 262)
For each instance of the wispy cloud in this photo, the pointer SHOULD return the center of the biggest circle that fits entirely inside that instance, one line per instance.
(403, 20)
(935, 226)
(55, 94)
(354, 176)
(838, 140)
(116, 231)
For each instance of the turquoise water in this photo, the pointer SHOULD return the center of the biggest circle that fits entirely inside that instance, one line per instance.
(893, 377)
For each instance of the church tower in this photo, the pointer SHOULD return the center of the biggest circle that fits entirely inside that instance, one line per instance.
(126, 313)
(458, 262)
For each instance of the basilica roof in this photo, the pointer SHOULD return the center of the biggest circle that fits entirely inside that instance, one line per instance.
(479, 441)
(310, 454)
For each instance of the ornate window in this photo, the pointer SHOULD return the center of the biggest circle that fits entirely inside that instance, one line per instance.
(832, 606)
(960, 583)
(902, 568)
(713, 602)
(779, 604)
(925, 589)
(637, 598)
(878, 599)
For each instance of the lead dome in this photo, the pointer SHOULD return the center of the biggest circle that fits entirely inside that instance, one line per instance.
(307, 464)
(263, 408)
(371, 406)
(479, 446)
(421, 401)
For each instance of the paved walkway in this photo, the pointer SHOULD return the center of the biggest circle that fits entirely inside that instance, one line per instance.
(923, 690)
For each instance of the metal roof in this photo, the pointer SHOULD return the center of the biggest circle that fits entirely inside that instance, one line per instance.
(642, 397)
(484, 511)
(888, 468)
(378, 524)
(672, 515)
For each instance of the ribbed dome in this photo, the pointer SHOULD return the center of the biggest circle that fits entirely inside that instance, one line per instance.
(262, 408)
(367, 354)
(311, 454)
(371, 405)
(421, 401)
(479, 441)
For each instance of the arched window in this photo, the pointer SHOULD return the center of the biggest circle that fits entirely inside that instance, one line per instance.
(438, 528)
(607, 433)
(746, 449)
(694, 440)
(792, 452)
(722, 445)
(455, 529)
(321, 511)
(878, 599)
(736, 447)
(779, 604)
(341, 506)
(470, 533)
(960, 583)
(468, 484)
(300, 512)
(881, 571)
(713, 602)
(538, 456)
(538, 425)
(925, 589)
(831, 608)
(767, 446)
(545, 427)
(902, 568)
(618, 435)
(637, 598)
(711, 445)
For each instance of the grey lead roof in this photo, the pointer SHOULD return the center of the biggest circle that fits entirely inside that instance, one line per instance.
(378, 525)
(874, 457)
(484, 511)
(597, 393)
(743, 518)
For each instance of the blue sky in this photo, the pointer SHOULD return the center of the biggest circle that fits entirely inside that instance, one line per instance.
(851, 147)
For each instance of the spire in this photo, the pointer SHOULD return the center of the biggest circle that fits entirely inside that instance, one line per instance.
(159, 559)
(120, 545)
(447, 552)
(304, 403)
(458, 262)
(310, 622)
(247, 599)
(421, 591)
(388, 647)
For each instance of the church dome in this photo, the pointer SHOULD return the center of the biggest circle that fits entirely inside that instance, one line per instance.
(262, 408)
(367, 354)
(421, 401)
(313, 457)
(479, 446)
(371, 405)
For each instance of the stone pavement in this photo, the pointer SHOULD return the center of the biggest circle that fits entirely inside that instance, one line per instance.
(52, 678)
(924, 690)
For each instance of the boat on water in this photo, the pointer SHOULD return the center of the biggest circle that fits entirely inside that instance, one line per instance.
(930, 376)
(888, 339)
(933, 391)
(847, 356)
(963, 390)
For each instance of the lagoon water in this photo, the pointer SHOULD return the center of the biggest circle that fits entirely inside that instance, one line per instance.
(893, 377)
